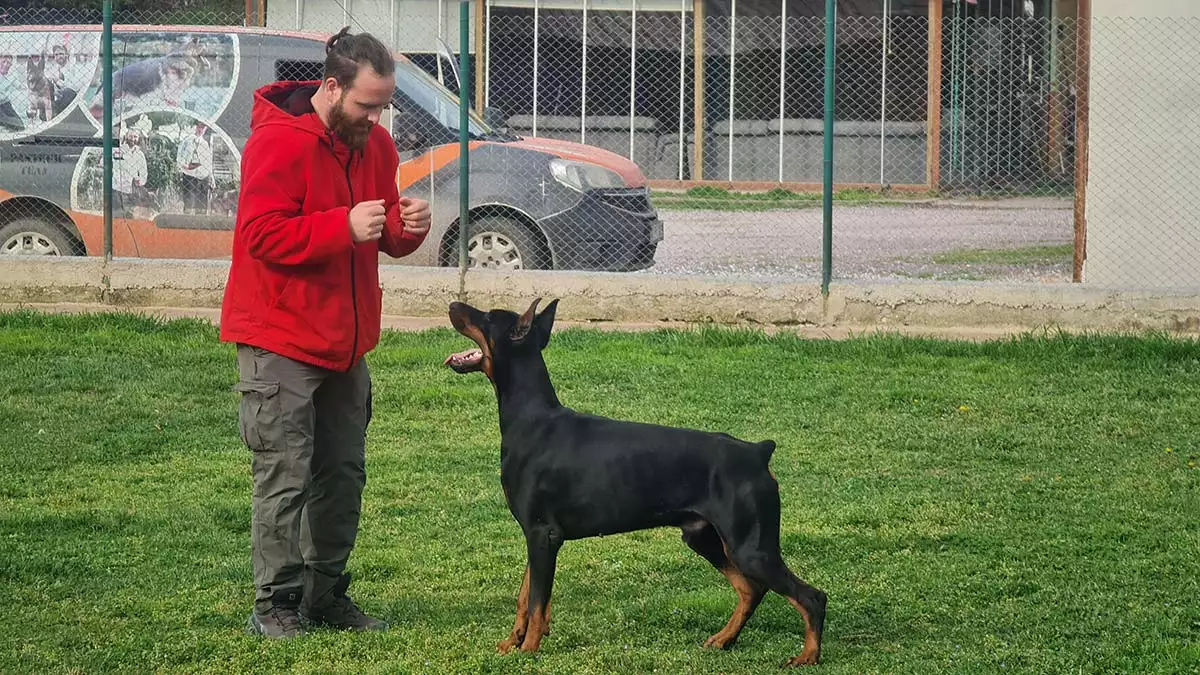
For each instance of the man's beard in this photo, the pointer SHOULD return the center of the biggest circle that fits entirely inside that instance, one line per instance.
(353, 134)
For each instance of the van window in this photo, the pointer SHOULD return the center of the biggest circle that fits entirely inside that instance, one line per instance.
(416, 88)
(296, 70)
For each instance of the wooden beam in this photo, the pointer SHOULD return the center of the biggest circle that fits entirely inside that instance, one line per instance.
(262, 12)
(933, 115)
(698, 88)
(481, 54)
(1083, 62)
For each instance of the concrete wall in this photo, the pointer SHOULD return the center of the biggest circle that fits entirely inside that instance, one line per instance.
(411, 24)
(1143, 191)
(639, 298)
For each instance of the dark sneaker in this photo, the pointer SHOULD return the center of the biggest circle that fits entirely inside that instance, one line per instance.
(281, 621)
(335, 609)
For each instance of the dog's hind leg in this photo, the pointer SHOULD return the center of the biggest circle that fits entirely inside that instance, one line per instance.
(702, 538)
(758, 557)
(807, 600)
(543, 544)
(518, 632)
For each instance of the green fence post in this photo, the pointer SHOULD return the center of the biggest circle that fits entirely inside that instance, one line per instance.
(827, 197)
(106, 85)
(464, 148)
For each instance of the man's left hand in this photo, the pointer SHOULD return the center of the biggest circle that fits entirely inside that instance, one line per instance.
(415, 214)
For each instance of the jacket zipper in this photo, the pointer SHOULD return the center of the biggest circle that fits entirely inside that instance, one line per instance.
(353, 284)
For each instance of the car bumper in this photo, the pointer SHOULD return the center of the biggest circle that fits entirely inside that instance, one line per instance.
(608, 230)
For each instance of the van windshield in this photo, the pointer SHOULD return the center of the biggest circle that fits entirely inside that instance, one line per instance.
(415, 87)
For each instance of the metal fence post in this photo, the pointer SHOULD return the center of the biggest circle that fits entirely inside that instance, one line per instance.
(107, 84)
(464, 148)
(827, 197)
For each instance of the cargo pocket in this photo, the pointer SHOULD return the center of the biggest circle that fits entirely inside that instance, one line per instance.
(259, 418)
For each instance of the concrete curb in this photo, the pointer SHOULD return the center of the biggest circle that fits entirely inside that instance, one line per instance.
(640, 298)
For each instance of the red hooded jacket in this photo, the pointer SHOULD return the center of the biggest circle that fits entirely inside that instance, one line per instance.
(298, 285)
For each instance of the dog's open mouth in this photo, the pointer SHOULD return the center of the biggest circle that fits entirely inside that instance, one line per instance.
(465, 362)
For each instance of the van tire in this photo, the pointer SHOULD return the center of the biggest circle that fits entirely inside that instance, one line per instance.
(34, 236)
(498, 242)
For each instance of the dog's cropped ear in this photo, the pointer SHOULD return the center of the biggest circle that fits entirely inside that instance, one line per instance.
(544, 323)
(521, 329)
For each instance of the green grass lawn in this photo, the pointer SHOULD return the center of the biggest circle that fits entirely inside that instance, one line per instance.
(709, 198)
(1021, 506)
(1027, 255)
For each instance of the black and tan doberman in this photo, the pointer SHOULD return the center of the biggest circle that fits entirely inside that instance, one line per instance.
(568, 475)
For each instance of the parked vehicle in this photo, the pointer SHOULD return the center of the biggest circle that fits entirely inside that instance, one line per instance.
(181, 113)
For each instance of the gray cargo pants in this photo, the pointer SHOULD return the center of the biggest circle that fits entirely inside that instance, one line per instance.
(306, 427)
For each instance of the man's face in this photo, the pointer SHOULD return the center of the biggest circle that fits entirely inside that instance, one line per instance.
(60, 55)
(357, 108)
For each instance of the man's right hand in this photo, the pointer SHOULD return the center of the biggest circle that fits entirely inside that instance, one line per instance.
(367, 220)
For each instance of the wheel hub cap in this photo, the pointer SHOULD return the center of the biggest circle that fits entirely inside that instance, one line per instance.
(29, 243)
(494, 250)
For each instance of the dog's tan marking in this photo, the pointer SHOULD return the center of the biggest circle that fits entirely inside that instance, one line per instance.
(539, 618)
(518, 632)
(749, 595)
(812, 650)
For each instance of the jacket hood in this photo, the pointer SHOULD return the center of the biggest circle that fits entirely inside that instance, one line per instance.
(288, 104)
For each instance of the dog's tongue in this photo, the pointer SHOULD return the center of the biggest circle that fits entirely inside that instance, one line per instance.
(464, 358)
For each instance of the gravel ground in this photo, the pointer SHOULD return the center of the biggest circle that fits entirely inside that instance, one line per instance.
(870, 241)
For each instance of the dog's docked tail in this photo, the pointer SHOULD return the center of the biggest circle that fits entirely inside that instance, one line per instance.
(765, 450)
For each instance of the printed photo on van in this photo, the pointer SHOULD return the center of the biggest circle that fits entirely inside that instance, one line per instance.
(164, 162)
(42, 76)
(195, 72)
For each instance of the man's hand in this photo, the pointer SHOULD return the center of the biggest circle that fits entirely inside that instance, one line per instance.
(415, 214)
(367, 220)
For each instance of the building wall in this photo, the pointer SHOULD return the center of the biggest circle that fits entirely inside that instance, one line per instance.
(407, 25)
(1143, 192)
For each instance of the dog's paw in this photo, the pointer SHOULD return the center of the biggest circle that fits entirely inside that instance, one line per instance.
(805, 659)
(506, 645)
(719, 641)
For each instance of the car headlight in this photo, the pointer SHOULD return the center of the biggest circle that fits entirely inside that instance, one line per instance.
(581, 176)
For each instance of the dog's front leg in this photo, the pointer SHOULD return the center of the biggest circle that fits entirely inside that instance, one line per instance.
(543, 544)
(518, 632)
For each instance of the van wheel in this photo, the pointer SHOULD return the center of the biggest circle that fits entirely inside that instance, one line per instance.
(501, 243)
(33, 236)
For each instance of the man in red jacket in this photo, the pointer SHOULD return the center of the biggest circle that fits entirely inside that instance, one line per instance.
(318, 203)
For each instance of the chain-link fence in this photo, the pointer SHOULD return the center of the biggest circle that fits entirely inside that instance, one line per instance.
(662, 140)
(754, 87)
